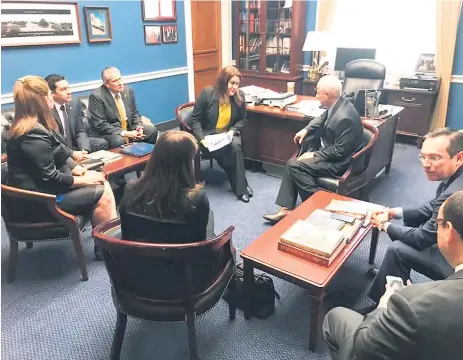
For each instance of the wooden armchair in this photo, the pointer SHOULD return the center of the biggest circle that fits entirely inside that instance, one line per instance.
(183, 115)
(43, 220)
(359, 174)
(166, 282)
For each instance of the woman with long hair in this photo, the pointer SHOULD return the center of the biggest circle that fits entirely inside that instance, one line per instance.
(222, 108)
(165, 204)
(37, 160)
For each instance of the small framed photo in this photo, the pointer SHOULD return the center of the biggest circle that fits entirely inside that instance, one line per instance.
(98, 21)
(158, 10)
(425, 64)
(169, 34)
(153, 35)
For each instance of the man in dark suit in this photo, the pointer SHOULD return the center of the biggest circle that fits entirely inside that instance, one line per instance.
(414, 244)
(69, 115)
(422, 321)
(114, 114)
(331, 140)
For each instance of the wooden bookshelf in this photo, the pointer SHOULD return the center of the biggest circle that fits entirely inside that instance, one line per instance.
(269, 42)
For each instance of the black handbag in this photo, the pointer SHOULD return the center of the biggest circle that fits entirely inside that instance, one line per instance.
(262, 297)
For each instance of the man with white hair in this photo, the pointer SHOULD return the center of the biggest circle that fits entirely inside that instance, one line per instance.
(330, 140)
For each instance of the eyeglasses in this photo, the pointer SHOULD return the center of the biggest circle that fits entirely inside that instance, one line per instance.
(430, 158)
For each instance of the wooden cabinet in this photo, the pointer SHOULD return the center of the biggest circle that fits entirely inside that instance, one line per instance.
(268, 37)
(418, 110)
(309, 87)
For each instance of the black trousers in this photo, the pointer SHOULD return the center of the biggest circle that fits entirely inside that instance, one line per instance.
(299, 178)
(339, 327)
(401, 258)
(231, 159)
(150, 131)
(97, 144)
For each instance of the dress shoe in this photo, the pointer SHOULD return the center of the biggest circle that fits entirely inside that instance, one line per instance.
(244, 198)
(367, 309)
(249, 190)
(97, 252)
(274, 218)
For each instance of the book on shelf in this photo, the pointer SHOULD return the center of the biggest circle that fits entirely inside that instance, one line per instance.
(312, 257)
(312, 238)
(104, 155)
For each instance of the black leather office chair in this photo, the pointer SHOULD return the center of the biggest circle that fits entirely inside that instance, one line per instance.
(363, 74)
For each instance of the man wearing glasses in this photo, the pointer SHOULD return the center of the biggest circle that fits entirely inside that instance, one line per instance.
(414, 244)
(114, 115)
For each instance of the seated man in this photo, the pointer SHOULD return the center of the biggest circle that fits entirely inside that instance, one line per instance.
(68, 114)
(414, 244)
(332, 139)
(114, 115)
(422, 321)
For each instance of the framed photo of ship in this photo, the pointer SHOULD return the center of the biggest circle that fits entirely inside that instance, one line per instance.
(39, 23)
(158, 10)
(98, 22)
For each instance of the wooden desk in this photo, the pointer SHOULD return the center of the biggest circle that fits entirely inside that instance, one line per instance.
(263, 254)
(125, 165)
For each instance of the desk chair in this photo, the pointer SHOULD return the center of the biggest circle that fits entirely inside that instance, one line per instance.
(363, 74)
(356, 178)
(183, 115)
(182, 280)
(43, 221)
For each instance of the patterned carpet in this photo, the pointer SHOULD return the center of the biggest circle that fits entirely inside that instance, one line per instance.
(49, 314)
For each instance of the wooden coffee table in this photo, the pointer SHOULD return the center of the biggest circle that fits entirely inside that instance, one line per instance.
(125, 165)
(263, 254)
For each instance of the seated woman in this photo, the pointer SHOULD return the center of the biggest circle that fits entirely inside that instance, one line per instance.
(222, 108)
(37, 160)
(165, 205)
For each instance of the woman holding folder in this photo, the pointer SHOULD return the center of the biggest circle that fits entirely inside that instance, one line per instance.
(222, 108)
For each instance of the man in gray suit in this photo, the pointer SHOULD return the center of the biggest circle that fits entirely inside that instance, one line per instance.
(114, 115)
(69, 114)
(327, 146)
(422, 321)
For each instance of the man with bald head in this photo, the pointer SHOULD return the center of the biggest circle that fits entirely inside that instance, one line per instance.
(113, 112)
(327, 146)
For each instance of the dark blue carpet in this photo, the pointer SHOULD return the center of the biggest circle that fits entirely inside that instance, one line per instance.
(48, 313)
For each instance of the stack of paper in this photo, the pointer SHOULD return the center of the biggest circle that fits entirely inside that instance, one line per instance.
(217, 141)
(307, 107)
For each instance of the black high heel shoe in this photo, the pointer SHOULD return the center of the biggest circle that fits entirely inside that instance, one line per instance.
(249, 190)
(244, 198)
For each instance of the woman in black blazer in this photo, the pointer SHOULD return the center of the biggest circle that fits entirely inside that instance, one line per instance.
(222, 108)
(37, 160)
(166, 205)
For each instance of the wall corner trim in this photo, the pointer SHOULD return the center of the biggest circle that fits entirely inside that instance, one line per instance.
(132, 78)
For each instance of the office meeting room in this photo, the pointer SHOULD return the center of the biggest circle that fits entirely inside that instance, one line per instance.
(231, 179)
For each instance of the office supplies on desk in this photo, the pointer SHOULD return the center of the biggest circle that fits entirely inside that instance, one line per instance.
(138, 149)
(104, 155)
(91, 164)
(310, 108)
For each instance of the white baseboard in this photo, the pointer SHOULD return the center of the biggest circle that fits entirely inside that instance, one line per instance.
(132, 78)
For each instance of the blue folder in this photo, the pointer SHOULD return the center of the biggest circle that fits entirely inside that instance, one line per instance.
(138, 149)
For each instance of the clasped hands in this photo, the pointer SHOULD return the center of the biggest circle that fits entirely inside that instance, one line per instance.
(135, 134)
(379, 218)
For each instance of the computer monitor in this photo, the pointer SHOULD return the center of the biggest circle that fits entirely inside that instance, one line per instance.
(345, 55)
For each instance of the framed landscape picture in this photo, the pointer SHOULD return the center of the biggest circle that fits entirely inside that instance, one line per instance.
(98, 22)
(158, 10)
(169, 34)
(153, 35)
(39, 23)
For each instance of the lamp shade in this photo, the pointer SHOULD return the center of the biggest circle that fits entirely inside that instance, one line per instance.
(317, 41)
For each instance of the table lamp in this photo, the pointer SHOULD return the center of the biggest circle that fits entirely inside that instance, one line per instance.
(316, 41)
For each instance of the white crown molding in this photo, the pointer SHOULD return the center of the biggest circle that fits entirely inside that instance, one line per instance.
(132, 78)
(457, 79)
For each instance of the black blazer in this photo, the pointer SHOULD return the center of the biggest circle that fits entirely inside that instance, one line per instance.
(206, 113)
(141, 221)
(38, 161)
(78, 136)
(342, 134)
(421, 229)
(423, 321)
(104, 116)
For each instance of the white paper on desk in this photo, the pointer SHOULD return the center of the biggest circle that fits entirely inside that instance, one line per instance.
(217, 141)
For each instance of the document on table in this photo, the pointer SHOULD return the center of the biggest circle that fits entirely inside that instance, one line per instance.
(217, 141)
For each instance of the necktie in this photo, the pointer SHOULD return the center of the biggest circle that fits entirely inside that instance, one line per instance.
(120, 108)
(440, 189)
(66, 129)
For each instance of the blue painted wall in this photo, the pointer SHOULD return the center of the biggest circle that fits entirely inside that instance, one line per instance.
(455, 111)
(156, 99)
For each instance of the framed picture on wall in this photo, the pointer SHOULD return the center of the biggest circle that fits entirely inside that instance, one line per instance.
(158, 10)
(98, 23)
(169, 34)
(39, 23)
(153, 35)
